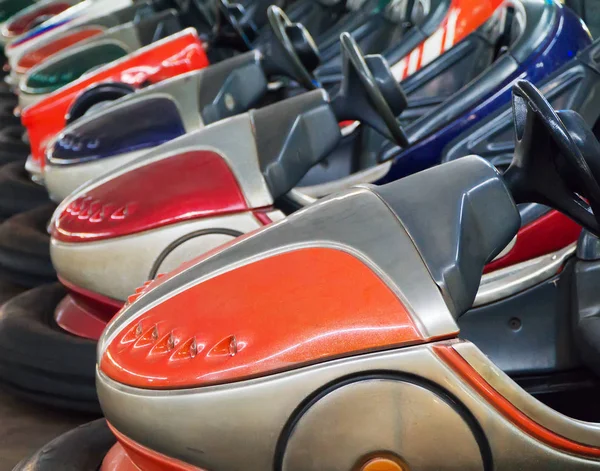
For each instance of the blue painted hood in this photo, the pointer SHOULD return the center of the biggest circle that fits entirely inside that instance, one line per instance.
(140, 125)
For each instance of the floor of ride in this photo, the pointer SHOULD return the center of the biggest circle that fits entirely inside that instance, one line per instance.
(25, 427)
(572, 393)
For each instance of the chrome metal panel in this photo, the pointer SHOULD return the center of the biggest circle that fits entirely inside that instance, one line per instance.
(366, 176)
(184, 90)
(236, 426)
(125, 34)
(301, 198)
(27, 99)
(508, 281)
(379, 414)
(116, 267)
(93, 9)
(75, 49)
(4, 39)
(33, 168)
(506, 249)
(576, 430)
(16, 78)
(13, 78)
(232, 138)
(197, 246)
(62, 180)
(140, 50)
(357, 222)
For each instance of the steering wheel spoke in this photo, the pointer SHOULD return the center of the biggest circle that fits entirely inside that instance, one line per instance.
(556, 160)
(292, 52)
(369, 92)
(233, 27)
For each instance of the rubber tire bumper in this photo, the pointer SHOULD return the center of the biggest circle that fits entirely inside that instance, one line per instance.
(25, 248)
(7, 112)
(41, 362)
(12, 147)
(9, 290)
(18, 192)
(80, 449)
(11, 141)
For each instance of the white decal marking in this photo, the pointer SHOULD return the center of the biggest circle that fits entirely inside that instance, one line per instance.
(451, 29)
(413, 61)
(432, 47)
(398, 69)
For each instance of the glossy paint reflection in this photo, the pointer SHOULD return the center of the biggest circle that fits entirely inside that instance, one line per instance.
(175, 55)
(271, 315)
(137, 201)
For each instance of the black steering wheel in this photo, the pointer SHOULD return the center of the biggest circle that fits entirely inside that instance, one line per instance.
(95, 95)
(556, 160)
(369, 92)
(297, 51)
(242, 32)
(196, 13)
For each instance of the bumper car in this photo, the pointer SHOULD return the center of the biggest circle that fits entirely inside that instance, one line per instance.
(124, 30)
(64, 67)
(428, 16)
(77, 14)
(30, 16)
(441, 84)
(529, 51)
(177, 106)
(127, 29)
(388, 381)
(53, 110)
(398, 30)
(164, 233)
(174, 55)
(245, 79)
(242, 176)
(11, 8)
(572, 87)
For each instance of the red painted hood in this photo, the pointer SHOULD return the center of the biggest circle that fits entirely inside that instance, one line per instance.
(177, 54)
(187, 186)
(23, 22)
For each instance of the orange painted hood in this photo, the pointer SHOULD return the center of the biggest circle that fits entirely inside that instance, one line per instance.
(276, 314)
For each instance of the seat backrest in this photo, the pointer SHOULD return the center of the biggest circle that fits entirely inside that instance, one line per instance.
(458, 233)
(231, 86)
(136, 11)
(158, 26)
(292, 136)
(385, 35)
(437, 11)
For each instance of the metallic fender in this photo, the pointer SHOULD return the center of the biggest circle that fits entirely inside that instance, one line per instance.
(258, 415)
(116, 267)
